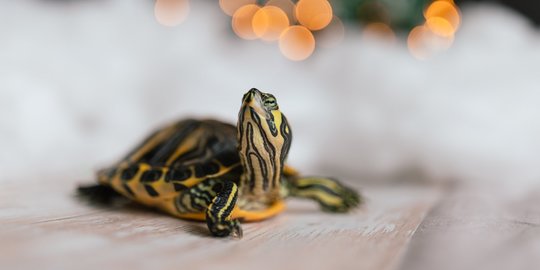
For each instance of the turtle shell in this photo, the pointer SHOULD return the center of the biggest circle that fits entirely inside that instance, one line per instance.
(182, 155)
(211, 144)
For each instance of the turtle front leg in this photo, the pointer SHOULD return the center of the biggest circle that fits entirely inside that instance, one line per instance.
(331, 195)
(213, 201)
(218, 213)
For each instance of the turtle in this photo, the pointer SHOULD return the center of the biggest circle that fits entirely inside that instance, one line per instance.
(212, 171)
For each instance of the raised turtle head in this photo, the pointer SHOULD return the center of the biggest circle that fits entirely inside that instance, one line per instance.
(264, 139)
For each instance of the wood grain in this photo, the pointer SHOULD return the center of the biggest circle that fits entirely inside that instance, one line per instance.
(479, 229)
(43, 226)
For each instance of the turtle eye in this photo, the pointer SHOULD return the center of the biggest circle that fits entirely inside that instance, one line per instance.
(270, 103)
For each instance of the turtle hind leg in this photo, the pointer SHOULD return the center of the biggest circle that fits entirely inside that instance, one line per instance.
(97, 194)
(102, 193)
(331, 195)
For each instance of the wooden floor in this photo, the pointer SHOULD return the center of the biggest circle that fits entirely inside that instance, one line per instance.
(46, 227)
(479, 228)
(408, 227)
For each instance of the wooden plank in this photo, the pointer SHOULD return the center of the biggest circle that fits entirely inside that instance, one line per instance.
(45, 227)
(479, 229)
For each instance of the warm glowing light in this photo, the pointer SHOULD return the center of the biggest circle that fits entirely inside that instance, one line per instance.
(296, 43)
(242, 21)
(171, 12)
(415, 42)
(446, 10)
(314, 14)
(379, 31)
(437, 34)
(423, 43)
(331, 35)
(231, 6)
(440, 26)
(269, 22)
(286, 5)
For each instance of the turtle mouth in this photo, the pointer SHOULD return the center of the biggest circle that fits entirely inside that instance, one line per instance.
(254, 99)
(251, 95)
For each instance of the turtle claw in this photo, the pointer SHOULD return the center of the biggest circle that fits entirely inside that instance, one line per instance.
(227, 228)
(348, 200)
(237, 232)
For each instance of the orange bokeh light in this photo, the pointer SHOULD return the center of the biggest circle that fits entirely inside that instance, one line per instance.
(242, 22)
(314, 14)
(379, 31)
(446, 10)
(286, 5)
(415, 42)
(297, 43)
(171, 12)
(437, 34)
(440, 26)
(231, 6)
(268, 23)
(423, 43)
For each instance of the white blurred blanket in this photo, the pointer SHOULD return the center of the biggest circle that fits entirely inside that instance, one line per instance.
(80, 83)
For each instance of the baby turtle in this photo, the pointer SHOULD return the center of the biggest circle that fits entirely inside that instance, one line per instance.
(215, 172)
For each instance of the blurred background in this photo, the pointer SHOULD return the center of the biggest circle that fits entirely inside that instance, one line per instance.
(374, 89)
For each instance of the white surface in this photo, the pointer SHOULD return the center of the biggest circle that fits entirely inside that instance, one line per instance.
(81, 83)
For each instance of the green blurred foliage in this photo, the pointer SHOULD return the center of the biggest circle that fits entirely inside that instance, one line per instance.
(399, 14)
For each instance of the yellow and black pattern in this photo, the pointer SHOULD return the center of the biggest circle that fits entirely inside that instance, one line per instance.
(218, 213)
(197, 198)
(264, 140)
(331, 195)
(175, 158)
(150, 184)
(189, 142)
(213, 171)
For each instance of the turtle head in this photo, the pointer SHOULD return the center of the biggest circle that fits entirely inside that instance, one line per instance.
(262, 103)
(264, 139)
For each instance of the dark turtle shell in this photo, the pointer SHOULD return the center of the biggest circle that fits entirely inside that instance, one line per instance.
(182, 154)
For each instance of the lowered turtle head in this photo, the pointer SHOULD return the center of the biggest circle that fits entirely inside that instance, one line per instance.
(264, 139)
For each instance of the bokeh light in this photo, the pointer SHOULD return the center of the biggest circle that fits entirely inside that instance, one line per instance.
(231, 6)
(268, 23)
(242, 21)
(299, 25)
(440, 26)
(287, 6)
(423, 43)
(314, 14)
(297, 43)
(445, 10)
(171, 12)
(415, 42)
(437, 34)
(380, 31)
